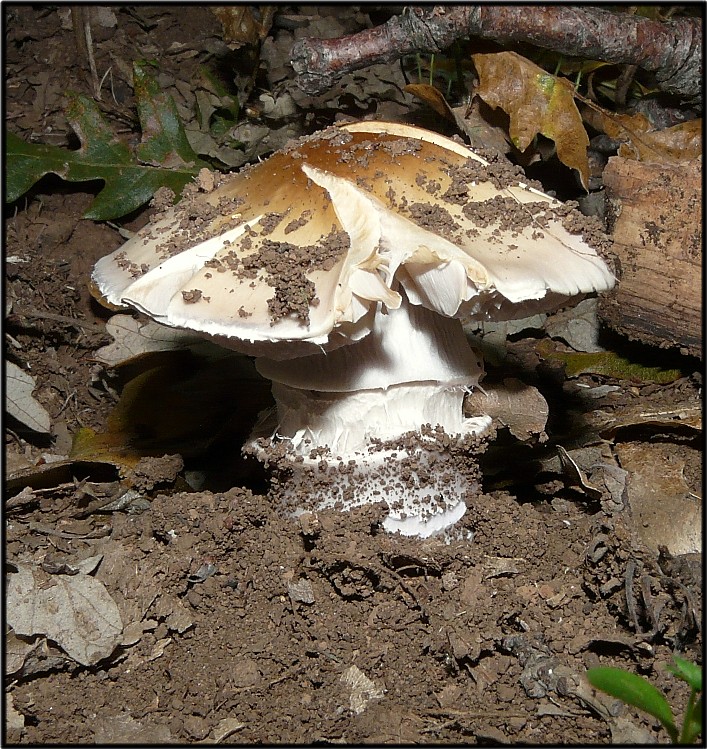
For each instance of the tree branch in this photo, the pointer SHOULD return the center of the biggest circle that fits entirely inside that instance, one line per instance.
(672, 50)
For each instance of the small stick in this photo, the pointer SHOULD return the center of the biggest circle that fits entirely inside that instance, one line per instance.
(36, 314)
(84, 41)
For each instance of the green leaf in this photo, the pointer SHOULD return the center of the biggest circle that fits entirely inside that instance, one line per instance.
(636, 691)
(214, 99)
(692, 725)
(688, 672)
(164, 142)
(164, 157)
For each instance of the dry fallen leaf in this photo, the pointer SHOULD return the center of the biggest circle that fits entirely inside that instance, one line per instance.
(431, 96)
(177, 401)
(577, 326)
(482, 133)
(685, 418)
(518, 406)
(574, 475)
(134, 337)
(301, 590)
(124, 729)
(16, 650)
(224, 728)
(76, 611)
(536, 102)
(20, 403)
(14, 720)
(666, 512)
(640, 141)
(240, 25)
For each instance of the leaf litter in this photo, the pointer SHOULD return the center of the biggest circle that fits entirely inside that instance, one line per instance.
(163, 157)
(244, 650)
(20, 402)
(76, 611)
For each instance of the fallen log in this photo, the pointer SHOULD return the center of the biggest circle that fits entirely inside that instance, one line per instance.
(654, 213)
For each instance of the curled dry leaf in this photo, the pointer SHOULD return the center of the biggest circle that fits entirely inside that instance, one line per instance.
(431, 96)
(682, 417)
(224, 728)
(482, 134)
(20, 402)
(16, 650)
(76, 611)
(574, 475)
(536, 102)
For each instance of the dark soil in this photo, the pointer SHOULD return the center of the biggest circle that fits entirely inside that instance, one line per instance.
(241, 625)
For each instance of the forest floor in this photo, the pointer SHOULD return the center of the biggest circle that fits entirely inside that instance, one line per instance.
(238, 624)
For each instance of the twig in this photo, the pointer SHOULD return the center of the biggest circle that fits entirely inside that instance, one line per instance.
(81, 21)
(91, 58)
(36, 314)
(672, 50)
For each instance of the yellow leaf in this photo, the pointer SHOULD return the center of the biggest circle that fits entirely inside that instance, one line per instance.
(536, 103)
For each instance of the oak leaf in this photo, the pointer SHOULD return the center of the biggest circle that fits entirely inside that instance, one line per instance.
(163, 158)
(536, 103)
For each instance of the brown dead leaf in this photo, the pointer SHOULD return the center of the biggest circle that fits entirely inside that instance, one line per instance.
(665, 511)
(240, 24)
(76, 611)
(176, 401)
(486, 128)
(21, 404)
(469, 119)
(432, 97)
(537, 103)
(641, 142)
(16, 650)
(518, 406)
(574, 475)
(124, 729)
(14, 720)
(685, 418)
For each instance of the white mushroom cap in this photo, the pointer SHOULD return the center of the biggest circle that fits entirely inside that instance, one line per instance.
(305, 247)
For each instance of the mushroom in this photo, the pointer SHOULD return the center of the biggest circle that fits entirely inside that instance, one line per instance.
(345, 264)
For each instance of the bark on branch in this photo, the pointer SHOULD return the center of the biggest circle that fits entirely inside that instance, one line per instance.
(671, 50)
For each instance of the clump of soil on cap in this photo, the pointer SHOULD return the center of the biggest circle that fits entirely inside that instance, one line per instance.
(286, 267)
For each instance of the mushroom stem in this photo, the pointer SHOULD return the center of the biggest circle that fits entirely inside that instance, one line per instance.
(385, 422)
